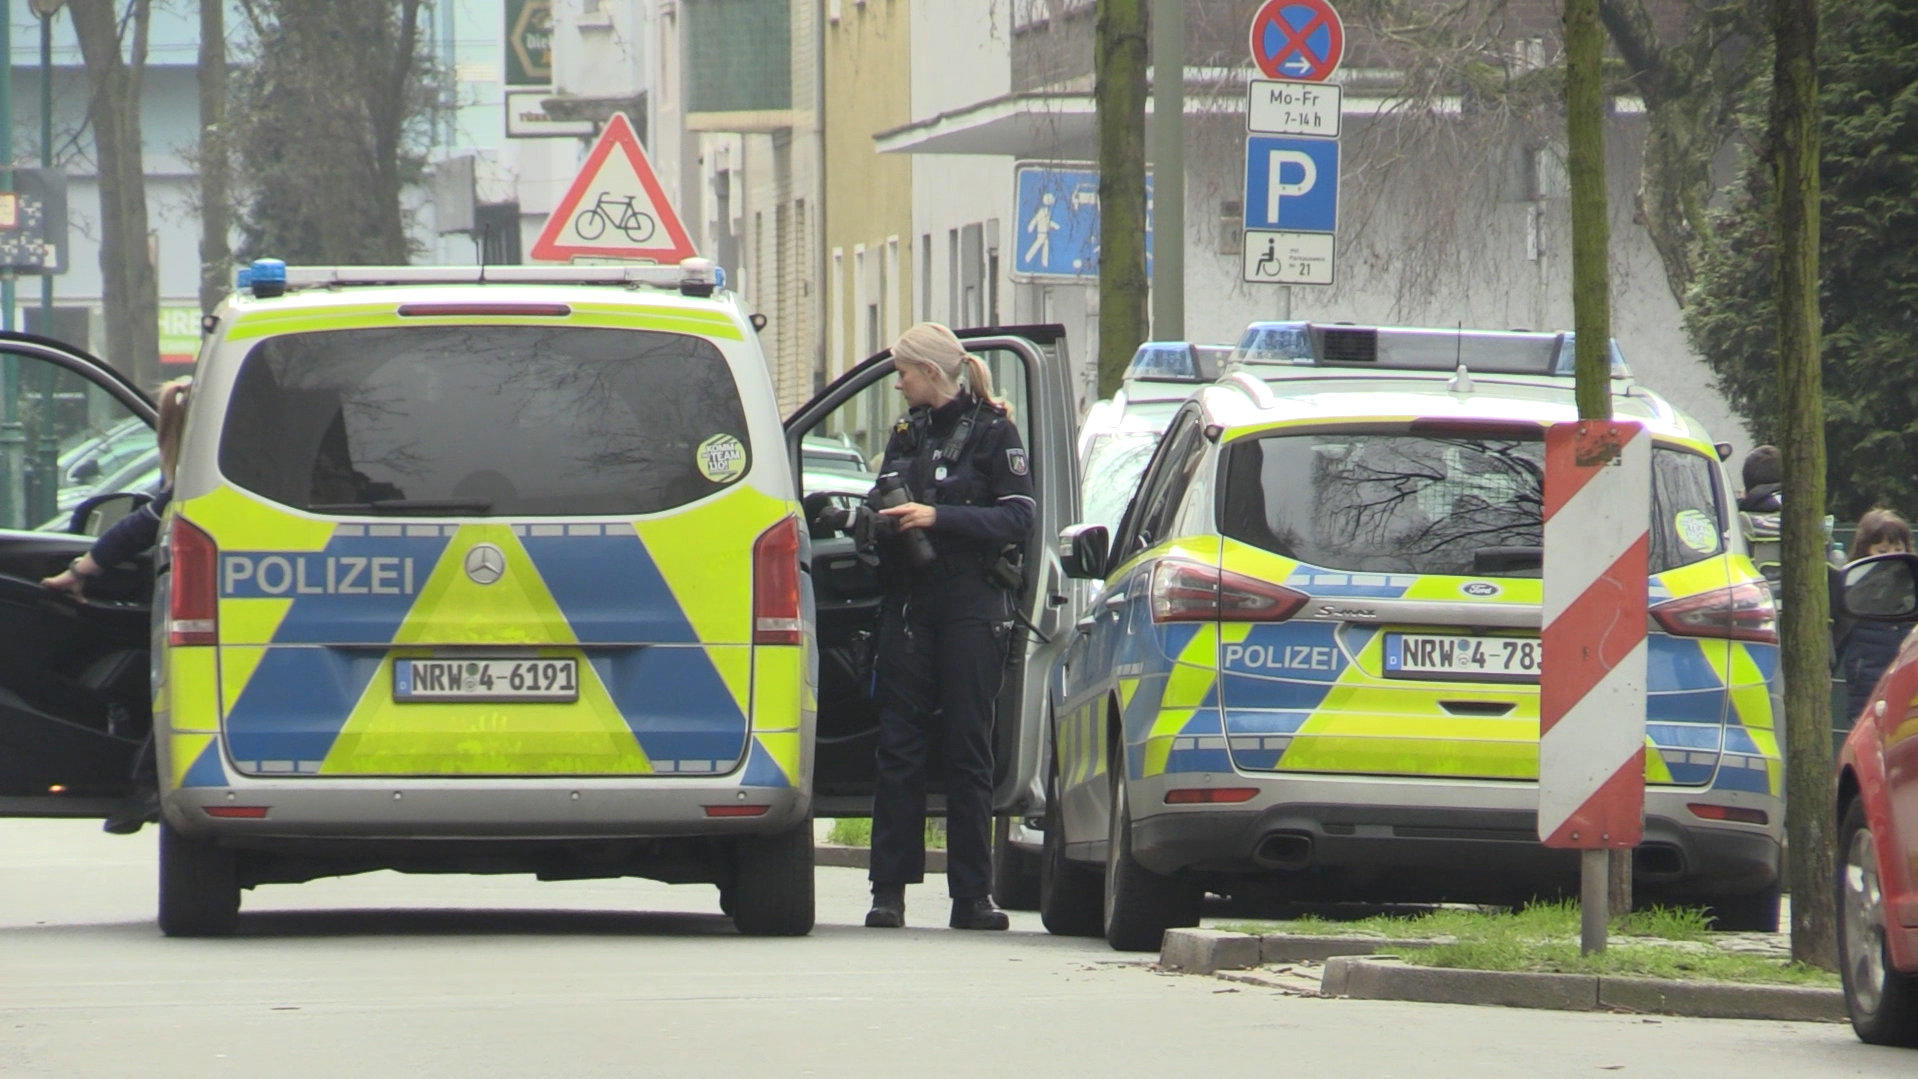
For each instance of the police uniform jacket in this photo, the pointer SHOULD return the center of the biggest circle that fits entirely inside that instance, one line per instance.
(981, 490)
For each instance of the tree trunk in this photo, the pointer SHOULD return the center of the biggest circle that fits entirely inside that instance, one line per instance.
(1119, 88)
(130, 291)
(216, 201)
(1795, 116)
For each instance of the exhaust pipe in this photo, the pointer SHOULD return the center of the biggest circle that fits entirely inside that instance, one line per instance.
(1284, 850)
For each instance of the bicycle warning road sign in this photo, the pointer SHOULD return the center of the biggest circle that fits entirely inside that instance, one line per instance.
(615, 207)
(1297, 39)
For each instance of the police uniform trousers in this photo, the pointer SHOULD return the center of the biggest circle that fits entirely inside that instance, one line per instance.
(940, 661)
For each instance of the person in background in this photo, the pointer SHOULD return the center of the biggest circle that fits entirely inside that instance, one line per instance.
(132, 534)
(1866, 648)
(1764, 481)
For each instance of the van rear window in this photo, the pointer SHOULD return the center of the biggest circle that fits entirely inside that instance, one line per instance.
(494, 420)
(1386, 500)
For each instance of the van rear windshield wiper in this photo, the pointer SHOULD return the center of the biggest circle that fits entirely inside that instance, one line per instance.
(424, 506)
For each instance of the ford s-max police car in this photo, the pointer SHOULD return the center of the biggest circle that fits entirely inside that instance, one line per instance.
(1313, 668)
(470, 569)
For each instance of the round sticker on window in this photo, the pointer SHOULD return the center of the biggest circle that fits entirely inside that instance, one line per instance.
(721, 458)
(1695, 530)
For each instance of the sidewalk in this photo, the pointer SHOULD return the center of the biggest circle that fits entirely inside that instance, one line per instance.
(1366, 968)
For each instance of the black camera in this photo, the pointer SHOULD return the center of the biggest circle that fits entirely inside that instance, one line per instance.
(892, 490)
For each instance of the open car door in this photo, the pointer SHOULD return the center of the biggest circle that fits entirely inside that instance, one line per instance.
(854, 417)
(75, 704)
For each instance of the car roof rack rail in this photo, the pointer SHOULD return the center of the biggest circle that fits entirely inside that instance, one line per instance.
(271, 277)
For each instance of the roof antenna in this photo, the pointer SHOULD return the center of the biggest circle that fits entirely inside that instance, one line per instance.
(1461, 378)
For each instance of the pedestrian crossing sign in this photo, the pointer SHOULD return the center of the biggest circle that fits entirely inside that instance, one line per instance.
(1056, 227)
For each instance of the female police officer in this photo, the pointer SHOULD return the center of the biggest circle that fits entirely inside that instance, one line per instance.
(944, 626)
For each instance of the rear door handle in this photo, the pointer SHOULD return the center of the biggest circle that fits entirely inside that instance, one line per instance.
(1114, 601)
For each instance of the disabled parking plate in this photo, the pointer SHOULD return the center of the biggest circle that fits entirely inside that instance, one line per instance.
(484, 679)
(1462, 656)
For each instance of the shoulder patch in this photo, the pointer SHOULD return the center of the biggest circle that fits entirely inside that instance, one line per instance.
(1016, 461)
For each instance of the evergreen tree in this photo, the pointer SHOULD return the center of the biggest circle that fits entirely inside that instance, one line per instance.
(1868, 251)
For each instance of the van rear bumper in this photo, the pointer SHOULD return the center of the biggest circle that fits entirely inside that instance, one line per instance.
(405, 808)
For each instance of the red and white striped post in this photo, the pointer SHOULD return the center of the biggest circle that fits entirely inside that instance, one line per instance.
(1591, 709)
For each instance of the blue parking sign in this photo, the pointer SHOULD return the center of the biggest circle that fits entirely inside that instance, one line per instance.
(1291, 183)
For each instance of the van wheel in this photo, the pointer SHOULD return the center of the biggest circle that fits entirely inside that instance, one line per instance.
(1140, 905)
(1754, 913)
(199, 887)
(772, 888)
(1883, 1002)
(1015, 872)
(1068, 891)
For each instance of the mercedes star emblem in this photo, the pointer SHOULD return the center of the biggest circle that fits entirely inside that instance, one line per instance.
(485, 563)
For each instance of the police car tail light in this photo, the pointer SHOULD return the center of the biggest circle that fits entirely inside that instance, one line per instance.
(193, 606)
(1742, 612)
(1193, 592)
(776, 584)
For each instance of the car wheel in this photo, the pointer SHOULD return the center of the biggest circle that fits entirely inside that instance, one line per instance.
(1754, 913)
(1140, 905)
(199, 887)
(1015, 872)
(1883, 1002)
(772, 889)
(1068, 891)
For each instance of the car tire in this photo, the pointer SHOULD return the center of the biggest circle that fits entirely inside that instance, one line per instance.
(1140, 905)
(1015, 872)
(199, 886)
(1883, 1002)
(772, 889)
(1068, 890)
(1756, 912)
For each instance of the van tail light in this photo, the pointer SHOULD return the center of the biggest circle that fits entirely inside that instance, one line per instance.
(1742, 612)
(776, 585)
(1193, 592)
(193, 605)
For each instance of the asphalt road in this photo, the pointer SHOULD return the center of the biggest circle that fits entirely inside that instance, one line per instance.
(386, 975)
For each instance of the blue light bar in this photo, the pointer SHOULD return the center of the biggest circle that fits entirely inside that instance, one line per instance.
(268, 277)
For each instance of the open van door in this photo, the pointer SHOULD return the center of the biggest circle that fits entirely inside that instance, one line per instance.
(854, 418)
(75, 704)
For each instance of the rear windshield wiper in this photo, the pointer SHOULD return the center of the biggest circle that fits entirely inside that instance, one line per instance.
(425, 506)
(1496, 559)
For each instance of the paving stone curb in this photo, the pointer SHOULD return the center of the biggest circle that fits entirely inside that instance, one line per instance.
(861, 857)
(1352, 969)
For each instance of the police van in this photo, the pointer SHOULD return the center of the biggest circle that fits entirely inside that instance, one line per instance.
(467, 569)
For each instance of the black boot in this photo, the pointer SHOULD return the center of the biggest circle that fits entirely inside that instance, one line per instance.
(977, 914)
(141, 806)
(888, 907)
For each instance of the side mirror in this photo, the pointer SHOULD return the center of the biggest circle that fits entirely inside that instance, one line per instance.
(1724, 450)
(1882, 588)
(1083, 549)
(97, 513)
(758, 320)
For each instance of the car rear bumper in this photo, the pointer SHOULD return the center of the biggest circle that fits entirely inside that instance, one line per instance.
(297, 809)
(1389, 844)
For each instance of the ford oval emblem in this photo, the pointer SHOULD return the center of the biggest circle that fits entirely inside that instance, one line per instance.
(1479, 588)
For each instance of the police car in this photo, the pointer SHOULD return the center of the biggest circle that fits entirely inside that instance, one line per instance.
(471, 569)
(1312, 671)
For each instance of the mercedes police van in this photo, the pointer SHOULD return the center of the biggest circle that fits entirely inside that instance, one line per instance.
(473, 569)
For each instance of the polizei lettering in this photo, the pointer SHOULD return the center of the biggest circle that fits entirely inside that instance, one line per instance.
(1283, 657)
(255, 575)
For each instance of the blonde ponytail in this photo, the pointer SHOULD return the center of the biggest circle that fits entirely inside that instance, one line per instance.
(979, 381)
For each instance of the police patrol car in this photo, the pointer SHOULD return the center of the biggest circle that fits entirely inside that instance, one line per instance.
(474, 569)
(1313, 667)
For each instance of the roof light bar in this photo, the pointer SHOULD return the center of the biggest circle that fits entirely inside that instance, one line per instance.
(693, 276)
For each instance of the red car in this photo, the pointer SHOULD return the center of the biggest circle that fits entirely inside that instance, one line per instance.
(1877, 878)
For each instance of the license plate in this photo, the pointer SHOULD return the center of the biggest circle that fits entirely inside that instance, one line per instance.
(486, 679)
(1462, 656)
